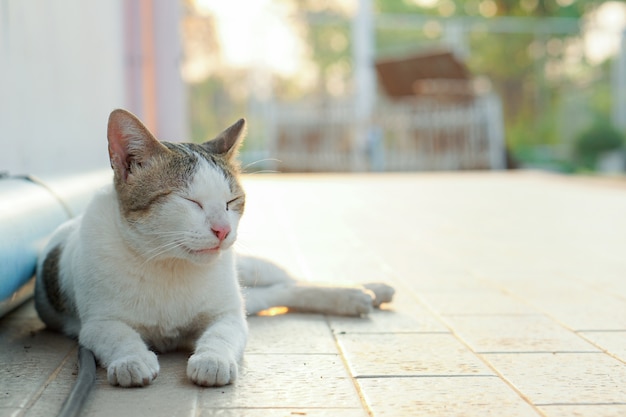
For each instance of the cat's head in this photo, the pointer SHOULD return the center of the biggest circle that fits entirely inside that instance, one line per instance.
(177, 200)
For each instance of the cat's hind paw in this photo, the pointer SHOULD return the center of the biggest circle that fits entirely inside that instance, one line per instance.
(133, 371)
(383, 293)
(210, 369)
(352, 302)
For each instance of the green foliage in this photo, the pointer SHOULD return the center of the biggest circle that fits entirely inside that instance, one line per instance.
(540, 157)
(599, 138)
(539, 8)
(601, 97)
(212, 108)
(330, 49)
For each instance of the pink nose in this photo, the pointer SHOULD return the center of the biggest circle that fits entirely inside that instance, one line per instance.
(221, 232)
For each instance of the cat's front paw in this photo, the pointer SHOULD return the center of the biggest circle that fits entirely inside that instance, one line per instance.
(210, 369)
(133, 370)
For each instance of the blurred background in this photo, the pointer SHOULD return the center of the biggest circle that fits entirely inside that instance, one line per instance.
(326, 85)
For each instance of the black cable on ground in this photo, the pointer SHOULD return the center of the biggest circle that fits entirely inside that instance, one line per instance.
(82, 387)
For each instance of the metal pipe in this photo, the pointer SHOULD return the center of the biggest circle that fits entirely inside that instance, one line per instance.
(30, 210)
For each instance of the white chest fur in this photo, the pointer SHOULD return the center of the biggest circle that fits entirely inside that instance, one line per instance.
(168, 302)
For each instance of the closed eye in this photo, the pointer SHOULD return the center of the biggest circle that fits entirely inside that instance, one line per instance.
(197, 203)
(228, 203)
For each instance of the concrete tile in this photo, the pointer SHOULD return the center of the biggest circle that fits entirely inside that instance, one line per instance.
(441, 279)
(10, 411)
(286, 381)
(513, 333)
(564, 378)
(29, 359)
(440, 397)
(612, 342)
(420, 270)
(595, 410)
(289, 334)
(283, 412)
(485, 301)
(387, 320)
(530, 274)
(35, 365)
(610, 282)
(402, 315)
(56, 389)
(416, 354)
(608, 312)
(171, 394)
(562, 298)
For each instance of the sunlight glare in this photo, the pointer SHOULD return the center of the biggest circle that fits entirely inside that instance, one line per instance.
(274, 311)
(602, 39)
(488, 8)
(256, 33)
(426, 3)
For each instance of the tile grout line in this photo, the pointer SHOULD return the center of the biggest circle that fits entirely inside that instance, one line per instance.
(579, 404)
(424, 376)
(291, 353)
(492, 314)
(306, 270)
(551, 317)
(346, 366)
(44, 385)
(593, 286)
(601, 331)
(417, 298)
(281, 408)
(392, 333)
(480, 357)
(539, 352)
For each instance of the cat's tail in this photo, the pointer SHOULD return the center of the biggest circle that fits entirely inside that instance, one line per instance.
(85, 381)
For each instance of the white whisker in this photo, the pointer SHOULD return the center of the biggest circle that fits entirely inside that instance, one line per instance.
(160, 250)
(171, 233)
(264, 171)
(261, 160)
(258, 162)
(242, 246)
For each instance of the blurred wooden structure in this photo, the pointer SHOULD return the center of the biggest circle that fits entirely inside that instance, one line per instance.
(437, 73)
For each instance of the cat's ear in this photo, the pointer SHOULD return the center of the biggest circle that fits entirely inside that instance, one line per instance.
(229, 141)
(131, 144)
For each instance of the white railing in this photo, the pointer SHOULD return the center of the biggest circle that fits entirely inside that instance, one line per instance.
(418, 134)
(421, 134)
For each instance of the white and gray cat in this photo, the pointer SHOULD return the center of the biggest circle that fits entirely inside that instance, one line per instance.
(149, 266)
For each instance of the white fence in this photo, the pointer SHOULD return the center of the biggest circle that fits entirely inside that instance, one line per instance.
(419, 134)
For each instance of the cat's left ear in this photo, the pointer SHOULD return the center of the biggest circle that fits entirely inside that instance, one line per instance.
(229, 141)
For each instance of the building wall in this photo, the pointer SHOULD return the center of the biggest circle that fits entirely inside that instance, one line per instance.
(64, 65)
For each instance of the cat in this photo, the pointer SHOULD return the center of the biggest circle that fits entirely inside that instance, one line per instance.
(149, 266)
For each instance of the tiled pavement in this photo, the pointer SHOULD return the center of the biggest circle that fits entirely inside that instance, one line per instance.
(511, 301)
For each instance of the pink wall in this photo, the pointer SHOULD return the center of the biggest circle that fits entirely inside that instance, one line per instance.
(64, 65)
(153, 52)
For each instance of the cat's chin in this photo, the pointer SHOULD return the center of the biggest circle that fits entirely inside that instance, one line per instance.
(206, 251)
(203, 256)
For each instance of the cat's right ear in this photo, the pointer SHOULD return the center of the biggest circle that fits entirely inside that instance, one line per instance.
(229, 141)
(131, 144)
